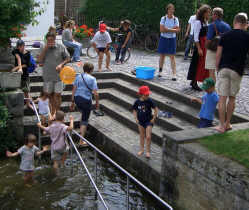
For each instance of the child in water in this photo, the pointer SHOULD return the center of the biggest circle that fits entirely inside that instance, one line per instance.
(27, 153)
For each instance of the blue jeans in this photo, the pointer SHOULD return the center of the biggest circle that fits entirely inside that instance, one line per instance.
(188, 45)
(122, 51)
(77, 49)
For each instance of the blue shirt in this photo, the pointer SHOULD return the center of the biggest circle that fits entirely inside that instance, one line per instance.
(169, 23)
(81, 88)
(208, 107)
(221, 27)
(144, 110)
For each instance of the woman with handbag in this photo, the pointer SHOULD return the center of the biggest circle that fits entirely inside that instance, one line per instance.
(85, 85)
(197, 70)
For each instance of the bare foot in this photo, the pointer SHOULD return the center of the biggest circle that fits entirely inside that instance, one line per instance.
(140, 153)
(28, 185)
(83, 144)
(147, 155)
(108, 68)
(100, 70)
(229, 127)
(220, 129)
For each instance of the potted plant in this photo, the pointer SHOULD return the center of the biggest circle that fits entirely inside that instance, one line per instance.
(83, 34)
(14, 15)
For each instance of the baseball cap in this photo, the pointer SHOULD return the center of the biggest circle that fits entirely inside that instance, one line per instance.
(102, 27)
(144, 90)
(208, 83)
(20, 43)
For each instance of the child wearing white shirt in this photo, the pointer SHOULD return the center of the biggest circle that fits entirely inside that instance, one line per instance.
(101, 42)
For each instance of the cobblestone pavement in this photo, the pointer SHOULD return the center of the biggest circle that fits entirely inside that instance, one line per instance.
(141, 58)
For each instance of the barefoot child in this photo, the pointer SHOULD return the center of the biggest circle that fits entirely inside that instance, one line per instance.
(27, 152)
(57, 131)
(101, 42)
(44, 109)
(208, 103)
(142, 111)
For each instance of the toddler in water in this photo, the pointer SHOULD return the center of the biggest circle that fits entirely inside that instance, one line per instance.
(44, 109)
(57, 131)
(27, 152)
(142, 111)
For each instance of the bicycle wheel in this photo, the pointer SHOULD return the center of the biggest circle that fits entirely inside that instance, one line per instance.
(151, 42)
(91, 52)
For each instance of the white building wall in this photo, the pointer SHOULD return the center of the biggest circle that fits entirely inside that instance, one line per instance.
(45, 20)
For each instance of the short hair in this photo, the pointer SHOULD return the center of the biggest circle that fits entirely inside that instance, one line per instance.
(169, 6)
(51, 34)
(59, 116)
(51, 28)
(218, 11)
(30, 138)
(126, 21)
(241, 18)
(20, 43)
(88, 67)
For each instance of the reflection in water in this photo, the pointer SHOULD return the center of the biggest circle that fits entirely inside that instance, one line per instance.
(71, 189)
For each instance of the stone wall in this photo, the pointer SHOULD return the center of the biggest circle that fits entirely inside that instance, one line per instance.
(194, 178)
(14, 102)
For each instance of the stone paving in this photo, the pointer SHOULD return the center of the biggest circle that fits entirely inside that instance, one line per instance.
(141, 58)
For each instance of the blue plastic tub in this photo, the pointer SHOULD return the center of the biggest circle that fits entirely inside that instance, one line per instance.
(143, 72)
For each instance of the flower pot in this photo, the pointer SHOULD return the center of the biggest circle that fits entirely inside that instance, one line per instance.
(84, 41)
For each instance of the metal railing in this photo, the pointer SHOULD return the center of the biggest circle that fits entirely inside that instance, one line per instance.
(96, 150)
(128, 175)
(87, 171)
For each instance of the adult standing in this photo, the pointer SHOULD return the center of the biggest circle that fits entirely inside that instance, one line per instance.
(230, 60)
(84, 86)
(53, 56)
(190, 35)
(67, 39)
(169, 26)
(197, 70)
(216, 27)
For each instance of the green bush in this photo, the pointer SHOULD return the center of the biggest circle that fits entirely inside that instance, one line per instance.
(7, 138)
(144, 12)
(230, 7)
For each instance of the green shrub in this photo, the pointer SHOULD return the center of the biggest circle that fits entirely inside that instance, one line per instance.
(7, 138)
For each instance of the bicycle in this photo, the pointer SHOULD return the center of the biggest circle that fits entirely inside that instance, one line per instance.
(149, 42)
(91, 52)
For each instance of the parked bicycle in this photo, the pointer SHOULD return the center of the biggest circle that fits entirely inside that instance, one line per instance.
(91, 52)
(143, 37)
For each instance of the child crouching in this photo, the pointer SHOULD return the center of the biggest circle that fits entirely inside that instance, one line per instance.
(27, 152)
(142, 111)
(57, 131)
(208, 103)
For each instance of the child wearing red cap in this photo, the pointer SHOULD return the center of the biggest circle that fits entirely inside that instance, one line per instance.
(142, 111)
(101, 42)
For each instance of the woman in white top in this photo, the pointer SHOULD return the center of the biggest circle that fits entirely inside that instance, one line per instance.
(169, 26)
(67, 39)
(197, 70)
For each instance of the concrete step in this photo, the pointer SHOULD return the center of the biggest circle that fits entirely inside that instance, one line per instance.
(164, 102)
(120, 98)
(126, 118)
(38, 87)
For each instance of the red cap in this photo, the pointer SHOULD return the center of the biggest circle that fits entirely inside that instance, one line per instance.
(144, 90)
(102, 27)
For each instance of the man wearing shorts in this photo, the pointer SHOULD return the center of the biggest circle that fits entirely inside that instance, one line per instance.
(221, 28)
(53, 56)
(230, 60)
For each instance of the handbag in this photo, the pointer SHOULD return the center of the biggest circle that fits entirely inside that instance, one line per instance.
(213, 44)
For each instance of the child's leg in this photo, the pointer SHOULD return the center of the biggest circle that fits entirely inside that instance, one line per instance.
(64, 157)
(28, 177)
(108, 59)
(101, 55)
(118, 52)
(148, 140)
(123, 52)
(142, 135)
(56, 166)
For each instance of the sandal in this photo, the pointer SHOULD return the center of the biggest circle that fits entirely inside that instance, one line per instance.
(98, 113)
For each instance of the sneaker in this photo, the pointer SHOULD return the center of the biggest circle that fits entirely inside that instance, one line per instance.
(118, 62)
(160, 74)
(174, 78)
